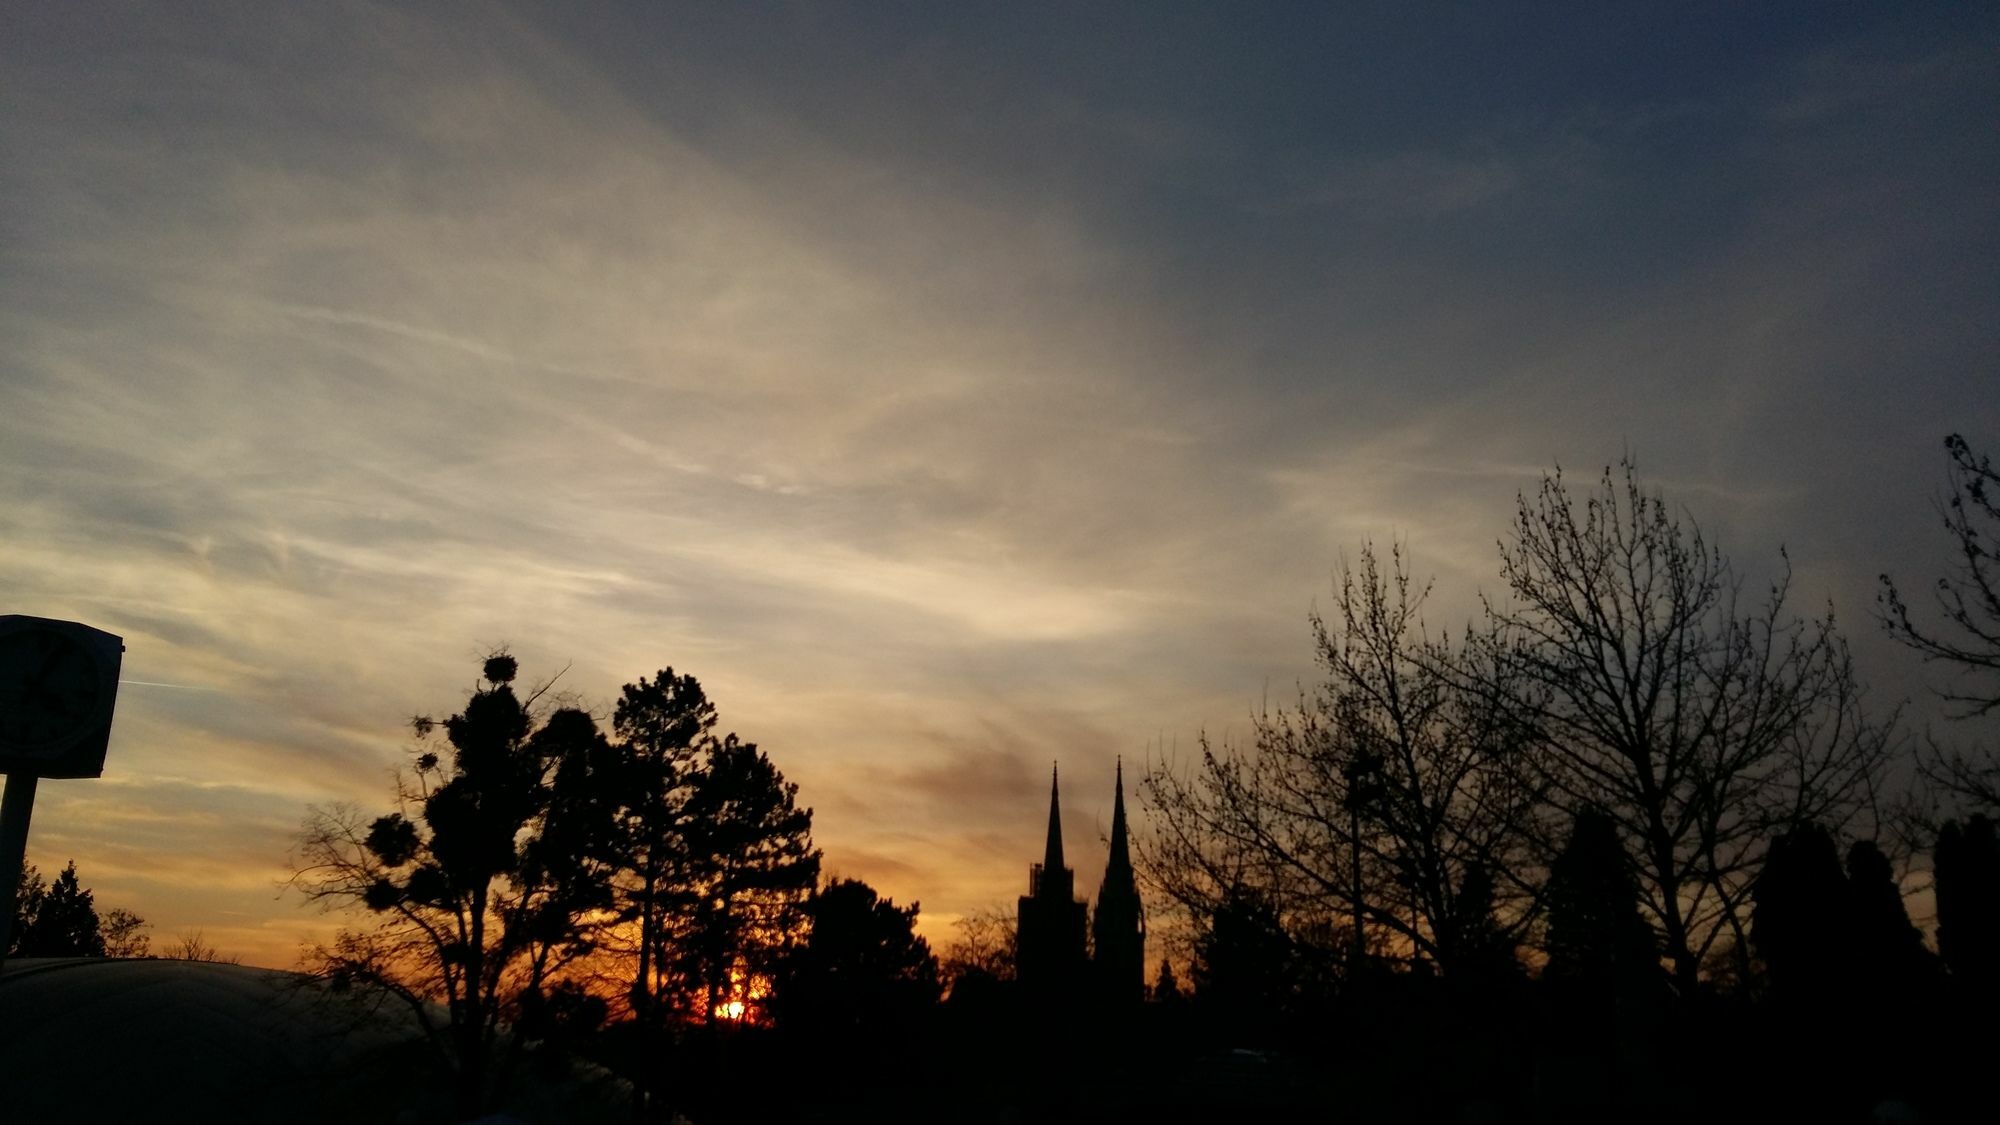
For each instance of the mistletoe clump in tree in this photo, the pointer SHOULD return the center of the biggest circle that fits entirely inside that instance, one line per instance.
(483, 885)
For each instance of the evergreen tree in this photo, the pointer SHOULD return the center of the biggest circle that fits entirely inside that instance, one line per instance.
(1889, 954)
(862, 968)
(712, 863)
(1967, 867)
(1801, 922)
(662, 726)
(750, 866)
(1243, 966)
(1481, 950)
(28, 894)
(1166, 986)
(61, 920)
(1599, 946)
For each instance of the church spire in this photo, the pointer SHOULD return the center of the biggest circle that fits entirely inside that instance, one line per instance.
(1119, 871)
(1052, 858)
(1119, 925)
(1049, 943)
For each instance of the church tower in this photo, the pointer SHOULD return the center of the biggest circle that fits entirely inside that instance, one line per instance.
(1118, 929)
(1048, 955)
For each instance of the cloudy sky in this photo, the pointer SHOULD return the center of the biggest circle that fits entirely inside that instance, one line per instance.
(951, 388)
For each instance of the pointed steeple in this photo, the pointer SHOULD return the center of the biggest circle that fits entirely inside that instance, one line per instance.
(1049, 944)
(1052, 857)
(1119, 923)
(1119, 871)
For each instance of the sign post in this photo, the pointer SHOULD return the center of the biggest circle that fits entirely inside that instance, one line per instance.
(58, 684)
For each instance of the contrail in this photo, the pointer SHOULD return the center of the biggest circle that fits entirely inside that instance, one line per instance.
(183, 687)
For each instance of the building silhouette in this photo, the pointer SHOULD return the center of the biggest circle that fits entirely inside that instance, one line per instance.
(1052, 961)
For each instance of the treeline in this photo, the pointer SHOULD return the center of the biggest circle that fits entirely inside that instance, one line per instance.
(1631, 843)
(61, 919)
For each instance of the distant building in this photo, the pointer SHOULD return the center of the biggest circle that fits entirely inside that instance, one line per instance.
(1050, 954)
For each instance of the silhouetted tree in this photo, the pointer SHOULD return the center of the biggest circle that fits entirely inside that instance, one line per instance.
(473, 911)
(862, 970)
(750, 866)
(1965, 635)
(567, 1015)
(1839, 952)
(124, 934)
(62, 920)
(1371, 801)
(662, 727)
(714, 855)
(1968, 598)
(1890, 958)
(1599, 947)
(1967, 869)
(1802, 922)
(1480, 949)
(1166, 986)
(984, 953)
(193, 945)
(1701, 725)
(57, 919)
(712, 861)
(28, 894)
(1960, 1041)
(1602, 980)
(1894, 973)
(1243, 967)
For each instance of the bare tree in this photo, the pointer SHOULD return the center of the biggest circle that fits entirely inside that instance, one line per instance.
(125, 935)
(1383, 814)
(1966, 635)
(985, 947)
(1968, 598)
(193, 945)
(1701, 724)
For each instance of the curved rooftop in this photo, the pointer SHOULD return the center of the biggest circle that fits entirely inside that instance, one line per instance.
(90, 1040)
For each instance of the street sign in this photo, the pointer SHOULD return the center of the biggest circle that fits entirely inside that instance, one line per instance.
(58, 682)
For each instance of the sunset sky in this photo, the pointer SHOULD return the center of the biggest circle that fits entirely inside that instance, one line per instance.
(952, 388)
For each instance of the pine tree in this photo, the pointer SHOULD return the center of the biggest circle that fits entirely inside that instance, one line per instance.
(751, 865)
(1481, 949)
(1967, 865)
(28, 894)
(1600, 948)
(1243, 967)
(64, 923)
(862, 968)
(1801, 923)
(1889, 955)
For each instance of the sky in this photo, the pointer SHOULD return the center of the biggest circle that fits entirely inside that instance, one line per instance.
(953, 389)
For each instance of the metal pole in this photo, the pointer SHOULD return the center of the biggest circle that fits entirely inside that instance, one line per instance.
(15, 808)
